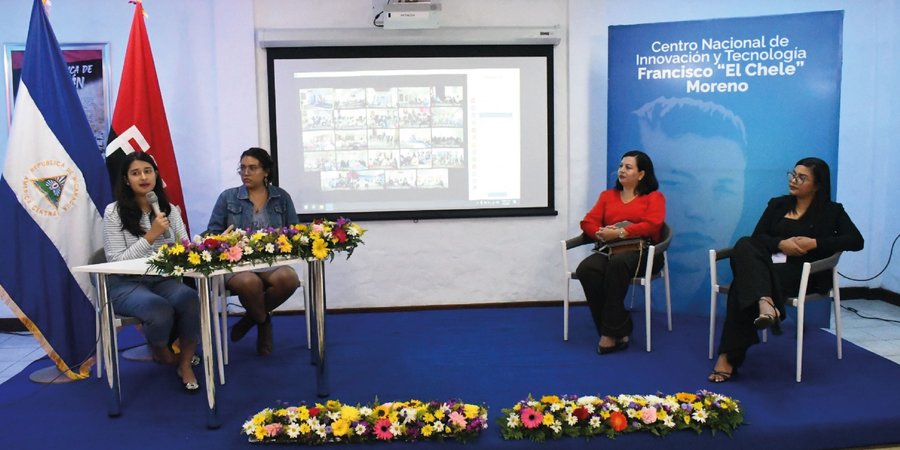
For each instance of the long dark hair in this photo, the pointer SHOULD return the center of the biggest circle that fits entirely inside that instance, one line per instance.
(265, 161)
(822, 176)
(647, 184)
(129, 211)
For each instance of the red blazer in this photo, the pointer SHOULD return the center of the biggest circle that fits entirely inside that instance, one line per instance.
(645, 212)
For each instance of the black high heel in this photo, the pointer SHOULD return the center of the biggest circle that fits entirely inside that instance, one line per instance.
(766, 320)
(621, 344)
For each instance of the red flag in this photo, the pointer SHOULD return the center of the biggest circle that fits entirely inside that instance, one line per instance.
(139, 120)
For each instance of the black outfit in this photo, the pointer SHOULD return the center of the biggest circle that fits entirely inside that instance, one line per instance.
(605, 278)
(755, 275)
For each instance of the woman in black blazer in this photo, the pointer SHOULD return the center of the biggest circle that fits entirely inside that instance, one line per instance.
(803, 226)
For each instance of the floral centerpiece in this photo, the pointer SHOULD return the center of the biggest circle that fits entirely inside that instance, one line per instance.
(205, 254)
(553, 417)
(333, 421)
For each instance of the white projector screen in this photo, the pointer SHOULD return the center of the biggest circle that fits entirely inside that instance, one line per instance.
(413, 132)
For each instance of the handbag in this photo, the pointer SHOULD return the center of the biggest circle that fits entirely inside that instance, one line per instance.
(617, 247)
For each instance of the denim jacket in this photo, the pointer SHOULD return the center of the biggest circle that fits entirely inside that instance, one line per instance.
(235, 208)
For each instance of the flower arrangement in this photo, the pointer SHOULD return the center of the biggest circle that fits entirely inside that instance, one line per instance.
(556, 416)
(205, 254)
(408, 421)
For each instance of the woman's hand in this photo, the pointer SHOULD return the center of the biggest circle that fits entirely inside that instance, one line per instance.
(158, 226)
(608, 233)
(790, 247)
(805, 243)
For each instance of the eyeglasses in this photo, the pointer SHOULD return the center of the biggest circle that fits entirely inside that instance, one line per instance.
(248, 169)
(797, 178)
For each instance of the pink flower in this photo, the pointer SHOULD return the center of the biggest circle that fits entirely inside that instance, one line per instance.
(648, 415)
(274, 429)
(235, 253)
(531, 418)
(383, 429)
(458, 419)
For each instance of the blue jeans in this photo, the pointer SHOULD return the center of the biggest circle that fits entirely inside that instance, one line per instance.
(166, 306)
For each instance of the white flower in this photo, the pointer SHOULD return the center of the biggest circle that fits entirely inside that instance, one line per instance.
(438, 426)
(304, 239)
(313, 422)
(293, 430)
(512, 421)
(571, 420)
(206, 255)
(589, 408)
(556, 426)
(248, 250)
(669, 422)
(178, 271)
(410, 415)
(334, 415)
(365, 411)
(594, 422)
(587, 400)
(270, 248)
(555, 407)
(360, 429)
(395, 428)
(700, 415)
(248, 427)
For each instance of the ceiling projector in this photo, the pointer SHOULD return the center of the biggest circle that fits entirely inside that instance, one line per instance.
(411, 14)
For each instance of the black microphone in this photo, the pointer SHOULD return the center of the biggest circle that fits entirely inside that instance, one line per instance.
(154, 203)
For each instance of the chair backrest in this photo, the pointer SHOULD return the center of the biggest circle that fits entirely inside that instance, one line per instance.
(666, 235)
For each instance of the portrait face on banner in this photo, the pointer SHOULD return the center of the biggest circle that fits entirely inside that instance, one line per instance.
(723, 108)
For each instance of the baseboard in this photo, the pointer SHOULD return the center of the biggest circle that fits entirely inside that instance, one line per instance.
(9, 324)
(863, 293)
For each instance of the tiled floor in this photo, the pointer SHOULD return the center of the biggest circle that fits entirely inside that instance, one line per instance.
(18, 350)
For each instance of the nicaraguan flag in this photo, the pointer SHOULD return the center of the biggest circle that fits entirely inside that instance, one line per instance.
(53, 187)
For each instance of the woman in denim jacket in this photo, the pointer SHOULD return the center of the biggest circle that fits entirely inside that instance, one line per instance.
(254, 205)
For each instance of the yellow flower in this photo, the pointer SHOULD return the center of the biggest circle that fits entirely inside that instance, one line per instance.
(194, 258)
(176, 249)
(548, 419)
(304, 428)
(332, 405)
(382, 411)
(300, 227)
(281, 412)
(439, 414)
(302, 413)
(549, 399)
(697, 405)
(284, 244)
(163, 248)
(394, 416)
(471, 411)
(223, 256)
(428, 417)
(350, 413)
(257, 236)
(427, 430)
(260, 432)
(685, 397)
(319, 249)
(340, 427)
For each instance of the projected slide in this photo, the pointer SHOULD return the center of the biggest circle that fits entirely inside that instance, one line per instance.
(411, 134)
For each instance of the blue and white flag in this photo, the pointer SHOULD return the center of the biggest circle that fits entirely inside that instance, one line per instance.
(52, 191)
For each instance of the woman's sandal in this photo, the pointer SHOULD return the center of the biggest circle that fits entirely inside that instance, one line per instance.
(718, 376)
(767, 319)
(621, 344)
(191, 387)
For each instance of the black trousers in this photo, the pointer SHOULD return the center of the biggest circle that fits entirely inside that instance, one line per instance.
(755, 276)
(605, 282)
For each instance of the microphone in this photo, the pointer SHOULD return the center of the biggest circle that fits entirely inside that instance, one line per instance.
(154, 203)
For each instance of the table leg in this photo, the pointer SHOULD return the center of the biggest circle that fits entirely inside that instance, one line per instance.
(209, 363)
(107, 334)
(317, 322)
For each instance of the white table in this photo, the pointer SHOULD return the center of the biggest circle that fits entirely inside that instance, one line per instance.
(140, 267)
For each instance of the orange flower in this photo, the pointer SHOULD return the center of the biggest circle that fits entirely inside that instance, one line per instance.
(617, 421)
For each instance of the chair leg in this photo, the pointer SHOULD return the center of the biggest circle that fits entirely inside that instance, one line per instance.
(647, 307)
(218, 334)
(712, 320)
(801, 300)
(668, 292)
(98, 336)
(566, 313)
